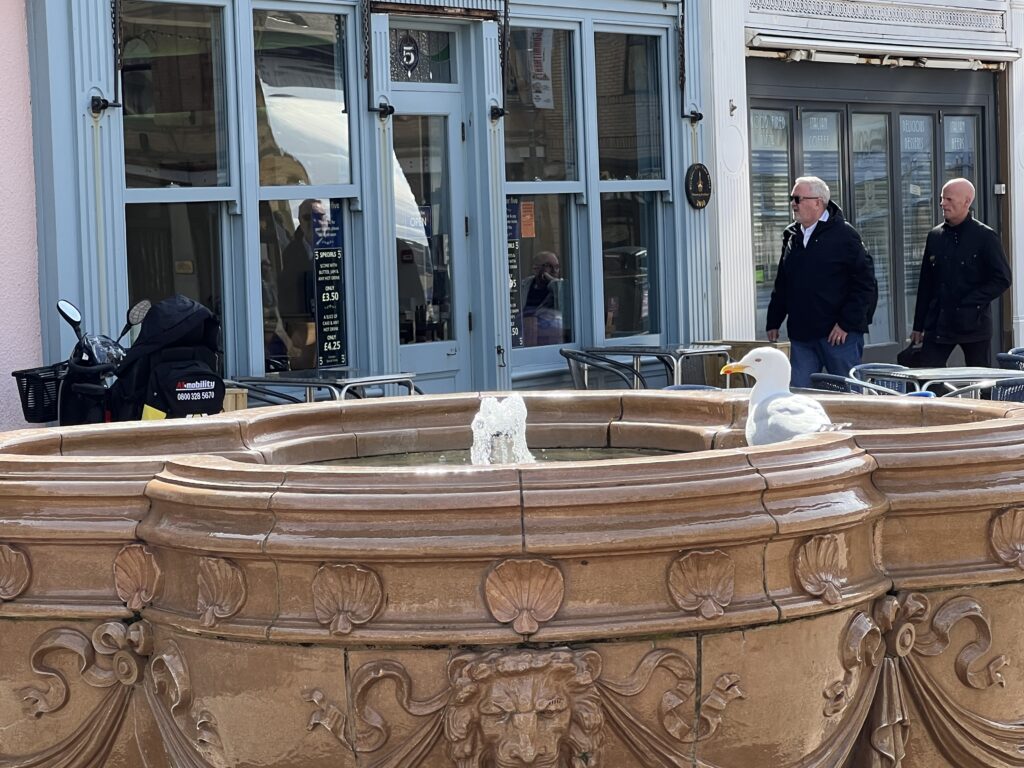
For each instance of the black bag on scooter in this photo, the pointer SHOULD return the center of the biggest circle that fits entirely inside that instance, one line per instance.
(177, 343)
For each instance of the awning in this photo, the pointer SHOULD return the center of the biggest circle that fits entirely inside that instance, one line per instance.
(869, 49)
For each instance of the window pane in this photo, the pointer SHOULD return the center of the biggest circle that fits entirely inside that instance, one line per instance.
(301, 107)
(423, 229)
(174, 102)
(540, 275)
(821, 150)
(769, 188)
(961, 145)
(421, 56)
(174, 248)
(873, 202)
(540, 131)
(630, 264)
(918, 198)
(302, 272)
(629, 107)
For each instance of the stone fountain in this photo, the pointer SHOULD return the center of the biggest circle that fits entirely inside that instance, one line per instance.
(212, 593)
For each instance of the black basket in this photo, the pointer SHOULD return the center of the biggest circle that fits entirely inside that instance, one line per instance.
(38, 389)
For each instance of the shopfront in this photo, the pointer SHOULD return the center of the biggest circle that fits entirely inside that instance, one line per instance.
(367, 186)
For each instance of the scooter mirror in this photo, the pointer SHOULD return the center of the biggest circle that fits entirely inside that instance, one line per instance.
(135, 316)
(71, 314)
(138, 313)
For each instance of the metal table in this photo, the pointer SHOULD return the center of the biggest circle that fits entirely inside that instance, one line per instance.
(927, 378)
(672, 357)
(337, 382)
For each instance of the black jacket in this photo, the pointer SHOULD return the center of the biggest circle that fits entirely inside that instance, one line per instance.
(831, 281)
(963, 270)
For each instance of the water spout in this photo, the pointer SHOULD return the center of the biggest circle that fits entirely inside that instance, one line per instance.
(499, 432)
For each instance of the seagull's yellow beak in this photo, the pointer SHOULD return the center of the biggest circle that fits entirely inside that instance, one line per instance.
(733, 368)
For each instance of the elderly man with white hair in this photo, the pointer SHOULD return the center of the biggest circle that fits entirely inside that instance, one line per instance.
(963, 271)
(825, 286)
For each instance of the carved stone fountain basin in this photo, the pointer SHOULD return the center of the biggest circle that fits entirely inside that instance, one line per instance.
(206, 593)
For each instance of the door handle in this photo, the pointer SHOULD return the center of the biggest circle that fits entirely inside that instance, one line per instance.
(452, 352)
(501, 356)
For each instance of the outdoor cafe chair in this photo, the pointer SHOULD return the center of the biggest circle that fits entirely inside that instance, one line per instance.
(580, 361)
(830, 382)
(1011, 361)
(1001, 390)
(874, 373)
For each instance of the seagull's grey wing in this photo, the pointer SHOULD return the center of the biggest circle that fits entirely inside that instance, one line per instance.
(785, 416)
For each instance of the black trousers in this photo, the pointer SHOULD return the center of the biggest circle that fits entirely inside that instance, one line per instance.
(976, 353)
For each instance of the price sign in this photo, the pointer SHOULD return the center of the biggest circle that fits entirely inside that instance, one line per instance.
(329, 276)
(513, 232)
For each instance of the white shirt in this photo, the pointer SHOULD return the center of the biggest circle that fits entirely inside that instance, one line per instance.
(808, 230)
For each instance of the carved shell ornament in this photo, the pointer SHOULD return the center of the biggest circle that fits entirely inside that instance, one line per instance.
(524, 592)
(137, 576)
(1007, 537)
(703, 582)
(14, 572)
(221, 589)
(346, 594)
(821, 567)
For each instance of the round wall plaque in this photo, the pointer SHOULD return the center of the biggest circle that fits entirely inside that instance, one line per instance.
(698, 185)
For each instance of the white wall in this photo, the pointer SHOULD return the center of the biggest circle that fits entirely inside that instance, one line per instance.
(19, 286)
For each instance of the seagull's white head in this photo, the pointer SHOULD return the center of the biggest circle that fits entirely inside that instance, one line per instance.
(766, 364)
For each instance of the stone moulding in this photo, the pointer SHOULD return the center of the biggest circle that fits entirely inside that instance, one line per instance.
(565, 687)
(15, 572)
(703, 582)
(137, 576)
(221, 590)
(346, 594)
(820, 567)
(1007, 537)
(526, 593)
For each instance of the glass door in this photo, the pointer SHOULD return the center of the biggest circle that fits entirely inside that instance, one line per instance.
(431, 232)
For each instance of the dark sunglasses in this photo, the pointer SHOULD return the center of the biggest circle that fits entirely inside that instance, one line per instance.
(797, 198)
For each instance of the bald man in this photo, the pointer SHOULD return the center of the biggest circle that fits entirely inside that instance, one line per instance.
(962, 272)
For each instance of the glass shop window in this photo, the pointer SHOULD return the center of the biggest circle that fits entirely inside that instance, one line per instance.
(540, 123)
(540, 271)
(629, 263)
(769, 188)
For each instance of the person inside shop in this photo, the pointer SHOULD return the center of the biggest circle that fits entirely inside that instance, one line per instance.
(544, 302)
(295, 293)
(825, 286)
(963, 271)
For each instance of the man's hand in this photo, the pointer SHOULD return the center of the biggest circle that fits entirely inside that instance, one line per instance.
(916, 337)
(773, 334)
(837, 336)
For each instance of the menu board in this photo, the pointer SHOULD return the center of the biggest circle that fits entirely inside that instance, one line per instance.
(513, 233)
(329, 284)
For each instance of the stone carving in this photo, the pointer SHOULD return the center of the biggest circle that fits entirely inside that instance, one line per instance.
(919, 15)
(524, 592)
(889, 645)
(820, 566)
(222, 589)
(539, 708)
(15, 572)
(327, 715)
(137, 576)
(703, 582)
(1007, 537)
(345, 595)
(116, 657)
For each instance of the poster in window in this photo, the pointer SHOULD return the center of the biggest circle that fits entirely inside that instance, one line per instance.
(329, 282)
(513, 233)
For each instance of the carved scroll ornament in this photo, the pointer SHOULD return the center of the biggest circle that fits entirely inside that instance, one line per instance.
(137, 576)
(901, 631)
(116, 657)
(524, 592)
(345, 595)
(821, 567)
(703, 582)
(222, 590)
(15, 572)
(539, 707)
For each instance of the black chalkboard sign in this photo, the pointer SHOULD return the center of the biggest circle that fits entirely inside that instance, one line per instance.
(329, 286)
(513, 234)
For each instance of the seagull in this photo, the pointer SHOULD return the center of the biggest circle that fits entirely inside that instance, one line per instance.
(775, 414)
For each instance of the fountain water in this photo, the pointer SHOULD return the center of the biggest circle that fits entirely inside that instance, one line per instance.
(499, 432)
